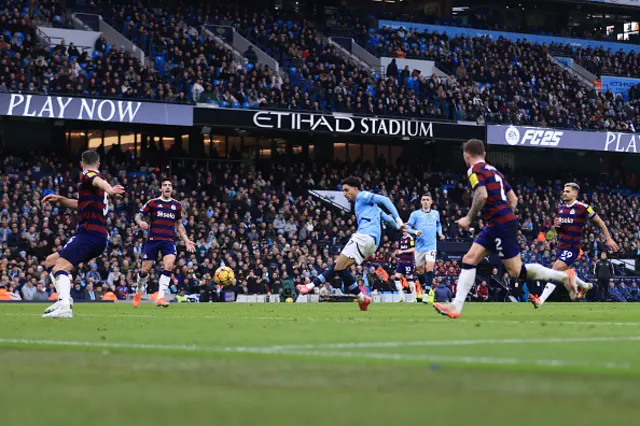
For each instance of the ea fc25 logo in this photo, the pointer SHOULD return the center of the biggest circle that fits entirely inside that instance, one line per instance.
(533, 137)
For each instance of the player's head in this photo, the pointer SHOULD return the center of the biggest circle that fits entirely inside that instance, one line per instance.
(570, 192)
(426, 201)
(166, 187)
(473, 151)
(351, 187)
(90, 160)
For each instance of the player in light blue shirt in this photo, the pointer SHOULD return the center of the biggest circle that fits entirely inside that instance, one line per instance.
(425, 225)
(364, 242)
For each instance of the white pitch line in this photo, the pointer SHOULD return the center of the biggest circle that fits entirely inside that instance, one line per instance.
(325, 354)
(364, 345)
(339, 319)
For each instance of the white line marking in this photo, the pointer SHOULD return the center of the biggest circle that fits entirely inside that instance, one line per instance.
(327, 354)
(364, 345)
(338, 319)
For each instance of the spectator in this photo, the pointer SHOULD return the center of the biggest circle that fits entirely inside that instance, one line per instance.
(614, 294)
(443, 293)
(77, 292)
(251, 55)
(29, 290)
(482, 292)
(90, 294)
(41, 294)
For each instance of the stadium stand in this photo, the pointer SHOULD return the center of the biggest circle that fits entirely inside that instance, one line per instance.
(262, 219)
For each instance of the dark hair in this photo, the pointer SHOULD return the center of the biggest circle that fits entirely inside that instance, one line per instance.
(90, 157)
(573, 185)
(356, 182)
(426, 195)
(474, 147)
(166, 180)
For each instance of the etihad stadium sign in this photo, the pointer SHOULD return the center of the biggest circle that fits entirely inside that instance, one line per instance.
(336, 124)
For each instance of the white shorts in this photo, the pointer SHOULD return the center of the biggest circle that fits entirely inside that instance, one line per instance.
(423, 257)
(359, 247)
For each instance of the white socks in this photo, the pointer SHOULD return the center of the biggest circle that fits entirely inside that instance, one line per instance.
(548, 289)
(399, 286)
(163, 285)
(64, 287)
(141, 283)
(465, 283)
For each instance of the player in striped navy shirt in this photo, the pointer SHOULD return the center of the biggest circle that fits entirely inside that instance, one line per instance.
(165, 215)
(495, 198)
(91, 237)
(569, 223)
(405, 264)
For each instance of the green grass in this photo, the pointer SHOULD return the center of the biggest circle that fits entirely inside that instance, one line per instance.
(320, 364)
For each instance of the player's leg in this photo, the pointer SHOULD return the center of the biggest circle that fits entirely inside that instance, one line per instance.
(165, 279)
(49, 263)
(489, 240)
(429, 268)
(342, 268)
(537, 302)
(328, 274)
(61, 271)
(535, 272)
(419, 262)
(397, 280)
(141, 281)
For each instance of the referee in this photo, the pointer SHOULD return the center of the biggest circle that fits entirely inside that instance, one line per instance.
(603, 272)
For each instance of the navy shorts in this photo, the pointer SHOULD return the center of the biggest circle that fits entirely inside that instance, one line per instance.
(501, 239)
(405, 269)
(83, 247)
(567, 255)
(152, 248)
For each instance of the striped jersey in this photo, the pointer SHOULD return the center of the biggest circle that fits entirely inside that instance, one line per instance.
(164, 215)
(497, 210)
(406, 243)
(572, 218)
(93, 205)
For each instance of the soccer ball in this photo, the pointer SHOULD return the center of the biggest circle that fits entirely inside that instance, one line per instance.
(224, 276)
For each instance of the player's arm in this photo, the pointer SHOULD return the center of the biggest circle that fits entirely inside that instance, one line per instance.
(182, 233)
(480, 196)
(411, 225)
(608, 241)
(381, 200)
(513, 200)
(412, 247)
(388, 220)
(100, 183)
(69, 203)
(139, 216)
(439, 227)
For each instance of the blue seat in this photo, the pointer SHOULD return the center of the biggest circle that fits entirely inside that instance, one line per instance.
(236, 105)
(249, 66)
(225, 104)
(246, 105)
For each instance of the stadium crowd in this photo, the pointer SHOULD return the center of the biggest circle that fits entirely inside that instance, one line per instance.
(262, 222)
(493, 81)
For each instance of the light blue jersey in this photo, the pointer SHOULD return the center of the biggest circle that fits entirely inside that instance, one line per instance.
(429, 224)
(369, 215)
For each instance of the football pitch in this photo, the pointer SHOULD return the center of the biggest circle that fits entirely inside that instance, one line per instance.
(321, 364)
